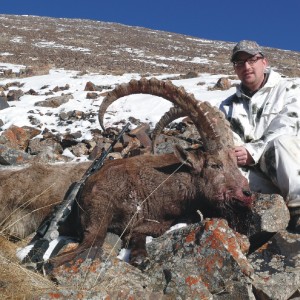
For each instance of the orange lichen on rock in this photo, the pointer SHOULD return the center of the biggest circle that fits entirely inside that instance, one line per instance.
(192, 280)
(190, 238)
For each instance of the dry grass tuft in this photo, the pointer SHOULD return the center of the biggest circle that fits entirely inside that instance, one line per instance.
(17, 282)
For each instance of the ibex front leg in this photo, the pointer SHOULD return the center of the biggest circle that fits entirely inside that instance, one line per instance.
(137, 241)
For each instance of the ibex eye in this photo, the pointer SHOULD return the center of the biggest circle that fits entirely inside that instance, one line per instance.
(216, 166)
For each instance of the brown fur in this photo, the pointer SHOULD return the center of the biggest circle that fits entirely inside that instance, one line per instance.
(28, 194)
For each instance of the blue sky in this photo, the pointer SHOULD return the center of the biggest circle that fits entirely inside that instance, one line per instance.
(271, 23)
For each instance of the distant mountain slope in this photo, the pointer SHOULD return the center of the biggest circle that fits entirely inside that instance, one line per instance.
(114, 48)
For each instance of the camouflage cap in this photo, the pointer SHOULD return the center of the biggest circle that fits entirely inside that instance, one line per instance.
(249, 47)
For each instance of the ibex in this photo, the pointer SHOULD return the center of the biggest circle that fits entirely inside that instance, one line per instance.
(145, 195)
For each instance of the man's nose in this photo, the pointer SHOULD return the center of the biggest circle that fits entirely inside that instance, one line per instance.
(247, 65)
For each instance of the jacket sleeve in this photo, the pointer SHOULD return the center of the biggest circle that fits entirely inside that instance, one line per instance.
(286, 121)
(226, 107)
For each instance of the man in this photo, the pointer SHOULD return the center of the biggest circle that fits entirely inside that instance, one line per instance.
(265, 116)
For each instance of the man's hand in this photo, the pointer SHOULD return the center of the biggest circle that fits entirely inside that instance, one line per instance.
(243, 156)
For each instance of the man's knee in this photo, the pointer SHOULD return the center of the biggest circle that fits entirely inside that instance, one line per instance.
(285, 140)
(281, 163)
(268, 163)
(284, 146)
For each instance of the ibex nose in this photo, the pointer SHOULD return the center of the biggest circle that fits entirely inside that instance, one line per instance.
(247, 193)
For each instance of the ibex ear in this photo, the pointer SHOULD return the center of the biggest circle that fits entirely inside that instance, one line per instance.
(189, 158)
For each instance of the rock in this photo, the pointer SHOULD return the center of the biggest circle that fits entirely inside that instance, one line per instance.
(77, 114)
(206, 260)
(189, 75)
(34, 121)
(92, 87)
(79, 149)
(165, 143)
(200, 259)
(115, 155)
(14, 95)
(141, 132)
(61, 88)
(14, 83)
(18, 137)
(96, 152)
(32, 92)
(37, 146)
(137, 141)
(92, 96)
(63, 116)
(7, 72)
(270, 214)
(3, 103)
(54, 101)
(104, 278)
(49, 156)
(9, 156)
(222, 84)
(277, 267)
(89, 86)
(132, 148)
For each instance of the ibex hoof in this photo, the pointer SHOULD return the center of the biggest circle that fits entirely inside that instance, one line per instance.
(47, 268)
(141, 262)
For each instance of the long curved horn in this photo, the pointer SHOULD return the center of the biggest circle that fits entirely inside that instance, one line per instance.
(209, 121)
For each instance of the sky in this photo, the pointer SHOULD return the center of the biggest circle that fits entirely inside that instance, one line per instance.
(271, 23)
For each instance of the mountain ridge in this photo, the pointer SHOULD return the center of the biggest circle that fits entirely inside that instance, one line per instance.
(107, 47)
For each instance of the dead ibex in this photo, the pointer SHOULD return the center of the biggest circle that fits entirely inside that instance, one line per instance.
(145, 195)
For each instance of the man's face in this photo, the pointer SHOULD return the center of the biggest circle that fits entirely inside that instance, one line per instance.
(250, 69)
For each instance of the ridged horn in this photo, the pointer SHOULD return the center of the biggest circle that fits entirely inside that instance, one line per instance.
(209, 121)
(172, 114)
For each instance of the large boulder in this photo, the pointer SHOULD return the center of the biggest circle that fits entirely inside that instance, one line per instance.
(200, 261)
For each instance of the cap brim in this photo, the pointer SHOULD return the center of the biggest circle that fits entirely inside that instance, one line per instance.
(248, 52)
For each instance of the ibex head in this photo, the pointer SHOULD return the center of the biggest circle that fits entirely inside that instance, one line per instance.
(222, 183)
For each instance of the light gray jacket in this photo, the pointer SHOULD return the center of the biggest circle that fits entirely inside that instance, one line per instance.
(272, 111)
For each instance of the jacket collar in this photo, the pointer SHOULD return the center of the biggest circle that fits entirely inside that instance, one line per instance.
(271, 79)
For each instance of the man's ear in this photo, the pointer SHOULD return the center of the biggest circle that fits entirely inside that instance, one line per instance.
(266, 63)
(189, 158)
